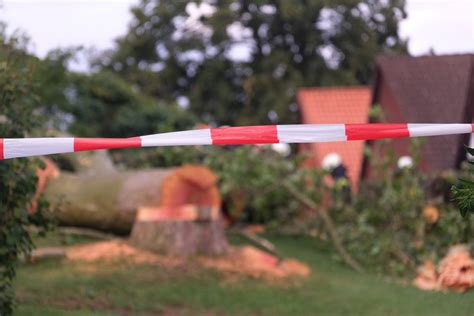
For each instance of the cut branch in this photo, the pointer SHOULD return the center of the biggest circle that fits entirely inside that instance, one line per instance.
(329, 225)
(263, 243)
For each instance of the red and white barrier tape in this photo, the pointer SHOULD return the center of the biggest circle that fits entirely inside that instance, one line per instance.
(268, 134)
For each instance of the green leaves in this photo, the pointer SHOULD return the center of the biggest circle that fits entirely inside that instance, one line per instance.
(402, 217)
(463, 193)
(104, 105)
(17, 176)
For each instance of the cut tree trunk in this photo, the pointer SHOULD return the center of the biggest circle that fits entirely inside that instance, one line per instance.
(189, 231)
(105, 201)
(172, 211)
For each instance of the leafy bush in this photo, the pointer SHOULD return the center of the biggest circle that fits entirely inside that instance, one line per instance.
(17, 176)
(391, 223)
(253, 179)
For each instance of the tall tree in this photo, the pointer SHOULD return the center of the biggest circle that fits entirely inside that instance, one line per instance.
(100, 104)
(241, 61)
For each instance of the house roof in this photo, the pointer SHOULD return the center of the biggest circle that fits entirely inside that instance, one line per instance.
(336, 105)
(430, 89)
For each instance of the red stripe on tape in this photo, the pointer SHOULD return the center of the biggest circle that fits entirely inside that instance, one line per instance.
(472, 128)
(266, 134)
(376, 131)
(1, 149)
(81, 144)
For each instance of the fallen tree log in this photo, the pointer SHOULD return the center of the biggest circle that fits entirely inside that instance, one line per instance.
(106, 202)
(107, 199)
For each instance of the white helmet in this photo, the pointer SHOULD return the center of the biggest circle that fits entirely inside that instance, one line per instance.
(332, 161)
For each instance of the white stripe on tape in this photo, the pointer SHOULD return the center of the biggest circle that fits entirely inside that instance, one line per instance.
(417, 130)
(309, 133)
(194, 137)
(24, 147)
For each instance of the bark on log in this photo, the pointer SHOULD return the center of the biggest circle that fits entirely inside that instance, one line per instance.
(104, 201)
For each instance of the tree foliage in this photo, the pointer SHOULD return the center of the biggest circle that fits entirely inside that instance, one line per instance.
(240, 62)
(103, 105)
(400, 218)
(99, 104)
(463, 193)
(17, 176)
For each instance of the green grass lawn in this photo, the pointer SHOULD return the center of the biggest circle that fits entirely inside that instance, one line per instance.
(61, 287)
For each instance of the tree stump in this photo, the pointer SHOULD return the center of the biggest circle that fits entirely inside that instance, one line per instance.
(180, 231)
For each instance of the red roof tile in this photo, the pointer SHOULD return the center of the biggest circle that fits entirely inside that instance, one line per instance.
(336, 105)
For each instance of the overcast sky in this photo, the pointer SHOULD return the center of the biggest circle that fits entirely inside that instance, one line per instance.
(447, 26)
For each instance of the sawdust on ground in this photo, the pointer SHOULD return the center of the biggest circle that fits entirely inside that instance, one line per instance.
(245, 261)
(454, 272)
